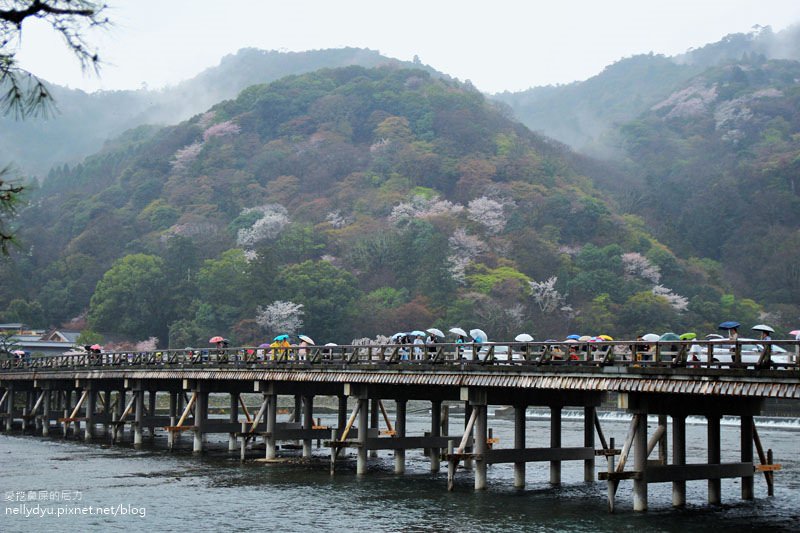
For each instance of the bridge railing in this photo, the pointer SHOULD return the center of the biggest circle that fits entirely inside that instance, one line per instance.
(691, 354)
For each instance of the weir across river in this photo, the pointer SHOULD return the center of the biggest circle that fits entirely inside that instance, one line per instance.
(115, 390)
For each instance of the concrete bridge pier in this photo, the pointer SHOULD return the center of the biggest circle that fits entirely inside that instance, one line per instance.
(746, 436)
(200, 417)
(9, 407)
(67, 410)
(374, 415)
(436, 431)
(118, 429)
(589, 413)
(107, 410)
(152, 397)
(91, 407)
(138, 394)
(714, 458)
(555, 442)
(173, 419)
(363, 430)
(341, 415)
(679, 458)
(233, 418)
(640, 463)
(400, 432)
(308, 422)
(519, 443)
(48, 397)
(481, 434)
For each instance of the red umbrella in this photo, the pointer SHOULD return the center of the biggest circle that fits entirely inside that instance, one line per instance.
(95, 347)
(216, 339)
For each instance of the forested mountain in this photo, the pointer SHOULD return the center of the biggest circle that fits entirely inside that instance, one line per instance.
(80, 123)
(583, 113)
(377, 199)
(717, 174)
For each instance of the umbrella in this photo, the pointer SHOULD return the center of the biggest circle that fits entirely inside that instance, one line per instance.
(729, 325)
(606, 337)
(264, 345)
(434, 331)
(282, 337)
(574, 336)
(459, 331)
(714, 337)
(571, 340)
(18, 352)
(306, 338)
(650, 337)
(331, 344)
(96, 347)
(216, 339)
(417, 333)
(669, 337)
(795, 332)
(763, 327)
(584, 338)
(479, 335)
(688, 336)
(523, 337)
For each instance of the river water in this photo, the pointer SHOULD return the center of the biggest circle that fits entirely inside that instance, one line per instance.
(55, 484)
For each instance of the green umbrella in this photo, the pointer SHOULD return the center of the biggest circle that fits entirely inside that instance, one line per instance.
(669, 337)
(688, 336)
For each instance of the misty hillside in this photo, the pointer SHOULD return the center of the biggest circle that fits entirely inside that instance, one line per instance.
(82, 122)
(377, 199)
(581, 114)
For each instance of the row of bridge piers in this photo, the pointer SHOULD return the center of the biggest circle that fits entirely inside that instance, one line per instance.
(364, 424)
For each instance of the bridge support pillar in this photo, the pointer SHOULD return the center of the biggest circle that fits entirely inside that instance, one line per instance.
(714, 458)
(10, 407)
(200, 419)
(151, 410)
(118, 430)
(555, 442)
(436, 431)
(400, 431)
(308, 422)
(481, 435)
(46, 412)
(67, 409)
(467, 449)
(233, 418)
(374, 421)
(272, 417)
(679, 457)
(363, 430)
(107, 410)
(588, 441)
(91, 407)
(341, 415)
(173, 418)
(519, 443)
(640, 463)
(138, 394)
(747, 454)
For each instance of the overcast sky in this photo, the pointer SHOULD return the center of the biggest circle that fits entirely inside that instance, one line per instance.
(498, 45)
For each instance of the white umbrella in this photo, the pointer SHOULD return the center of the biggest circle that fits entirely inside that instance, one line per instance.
(417, 333)
(651, 337)
(306, 338)
(434, 331)
(459, 331)
(479, 335)
(763, 327)
(523, 337)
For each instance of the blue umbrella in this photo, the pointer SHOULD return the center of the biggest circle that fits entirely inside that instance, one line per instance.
(417, 333)
(729, 325)
(281, 338)
(574, 336)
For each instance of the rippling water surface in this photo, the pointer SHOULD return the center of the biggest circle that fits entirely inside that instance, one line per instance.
(160, 490)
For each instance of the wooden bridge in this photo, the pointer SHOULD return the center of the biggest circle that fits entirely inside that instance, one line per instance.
(65, 393)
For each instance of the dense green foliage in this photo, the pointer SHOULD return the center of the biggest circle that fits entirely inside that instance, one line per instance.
(380, 200)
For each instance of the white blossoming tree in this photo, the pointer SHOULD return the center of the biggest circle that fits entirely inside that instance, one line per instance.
(637, 265)
(463, 249)
(280, 317)
(488, 213)
(546, 296)
(678, 302)
(273, 219)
